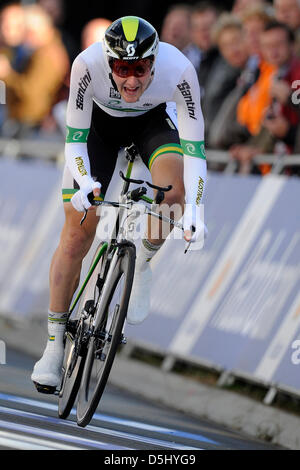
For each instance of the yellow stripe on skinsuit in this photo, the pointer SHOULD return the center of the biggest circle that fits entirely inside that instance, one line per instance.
(68, 197)
(162, 150)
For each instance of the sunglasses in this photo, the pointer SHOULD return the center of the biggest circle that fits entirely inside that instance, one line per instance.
(124, 69)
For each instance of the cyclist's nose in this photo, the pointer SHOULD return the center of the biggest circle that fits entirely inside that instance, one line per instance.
(132, 81)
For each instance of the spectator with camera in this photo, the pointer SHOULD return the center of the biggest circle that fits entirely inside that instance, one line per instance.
(32, 92)
(12, 31)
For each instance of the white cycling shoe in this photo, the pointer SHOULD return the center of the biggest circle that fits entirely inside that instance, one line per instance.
(139, 303)
(47, 371)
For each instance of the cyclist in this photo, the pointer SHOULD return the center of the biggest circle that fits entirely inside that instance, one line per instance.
(124, 89)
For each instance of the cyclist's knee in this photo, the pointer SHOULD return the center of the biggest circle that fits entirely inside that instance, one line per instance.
(76, 239)
(75, 243)
(175, 196)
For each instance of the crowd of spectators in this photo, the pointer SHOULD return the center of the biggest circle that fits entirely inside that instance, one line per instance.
(248, 65)
(247, 61)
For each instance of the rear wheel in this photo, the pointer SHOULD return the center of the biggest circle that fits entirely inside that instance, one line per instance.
(104, 341)
(75, 349)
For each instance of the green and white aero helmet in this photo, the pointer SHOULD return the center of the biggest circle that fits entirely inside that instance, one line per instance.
(130, 38)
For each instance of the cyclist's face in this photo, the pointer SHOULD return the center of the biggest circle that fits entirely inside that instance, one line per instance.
(132, 80)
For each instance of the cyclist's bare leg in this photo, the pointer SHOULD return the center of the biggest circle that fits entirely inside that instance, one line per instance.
(167, 170)
(75, 242)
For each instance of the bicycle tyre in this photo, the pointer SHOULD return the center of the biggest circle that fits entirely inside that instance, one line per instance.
(71, 379)
(88, 398)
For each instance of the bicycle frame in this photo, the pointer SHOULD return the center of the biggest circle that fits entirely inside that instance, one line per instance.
(105, 249)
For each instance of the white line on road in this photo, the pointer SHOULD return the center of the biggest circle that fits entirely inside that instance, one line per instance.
(81, 441)
(112, 419)
(96, 429)
(21, 442)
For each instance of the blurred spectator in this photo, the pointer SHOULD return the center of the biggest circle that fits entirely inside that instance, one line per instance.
(240, 6)
(94, 31)
(176, 31)
(12, 30)
(288, 12)
(225, 130)
(32, 92)
(271, 117)
(56, 10)
(203, 18)
(254, 20)
(228, 35)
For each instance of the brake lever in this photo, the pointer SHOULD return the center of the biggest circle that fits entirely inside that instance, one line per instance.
(84, 217)
(189, 243)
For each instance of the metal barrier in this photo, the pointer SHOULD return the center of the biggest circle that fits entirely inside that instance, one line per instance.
(278, 162)
(53, 150)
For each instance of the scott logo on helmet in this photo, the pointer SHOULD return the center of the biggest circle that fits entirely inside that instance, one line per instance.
(130, 50)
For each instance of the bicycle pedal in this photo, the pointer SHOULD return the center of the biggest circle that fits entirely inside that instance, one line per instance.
(46, 389)
(100, 355)
(123, 340)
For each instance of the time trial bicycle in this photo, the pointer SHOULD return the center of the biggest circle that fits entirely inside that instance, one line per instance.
(95, 332)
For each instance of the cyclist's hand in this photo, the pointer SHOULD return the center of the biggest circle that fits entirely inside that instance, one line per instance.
(80, 201)
(194, 228)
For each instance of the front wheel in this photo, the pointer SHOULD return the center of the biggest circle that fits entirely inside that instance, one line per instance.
(75, 350)
(104, 342)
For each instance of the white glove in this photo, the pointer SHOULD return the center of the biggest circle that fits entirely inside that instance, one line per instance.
(193, 220)
(80, 201)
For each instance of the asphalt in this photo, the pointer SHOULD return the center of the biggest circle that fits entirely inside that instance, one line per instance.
(221, 406)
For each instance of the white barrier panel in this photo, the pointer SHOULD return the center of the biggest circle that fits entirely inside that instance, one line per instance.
(30, 220)
(235, 304)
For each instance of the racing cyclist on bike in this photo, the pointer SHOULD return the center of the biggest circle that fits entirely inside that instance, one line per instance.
(124, 89)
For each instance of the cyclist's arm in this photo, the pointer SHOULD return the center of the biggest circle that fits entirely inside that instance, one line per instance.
(79, 114)
(191, 133)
